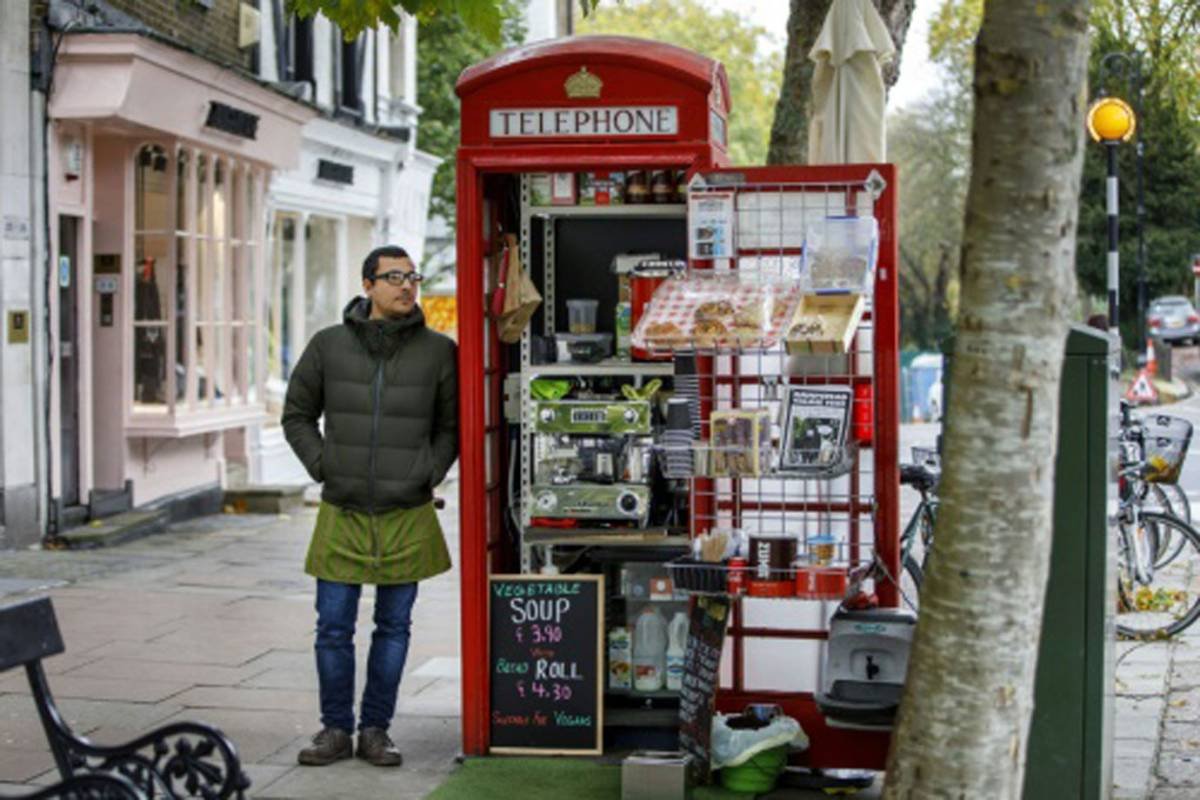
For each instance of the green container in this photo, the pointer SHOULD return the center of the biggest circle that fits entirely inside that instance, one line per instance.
(758, 774)
(1069, 755)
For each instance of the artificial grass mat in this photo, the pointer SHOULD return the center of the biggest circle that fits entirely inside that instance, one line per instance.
(504, 778)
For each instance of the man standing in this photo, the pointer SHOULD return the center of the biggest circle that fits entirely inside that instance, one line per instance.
(388, 389)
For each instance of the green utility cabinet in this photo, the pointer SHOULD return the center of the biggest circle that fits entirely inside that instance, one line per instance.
(1071, 738)
(1069, 756)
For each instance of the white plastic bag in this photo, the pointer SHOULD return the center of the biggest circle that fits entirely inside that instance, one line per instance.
(731, 747)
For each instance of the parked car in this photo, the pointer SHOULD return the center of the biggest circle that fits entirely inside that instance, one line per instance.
(1174, 320)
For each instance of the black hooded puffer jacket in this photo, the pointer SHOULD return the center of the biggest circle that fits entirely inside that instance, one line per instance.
(389, 393)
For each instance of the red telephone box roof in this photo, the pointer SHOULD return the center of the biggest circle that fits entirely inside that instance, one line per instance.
(581, 90)
(644, 54)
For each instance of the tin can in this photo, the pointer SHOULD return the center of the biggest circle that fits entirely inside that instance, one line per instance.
(736, 583)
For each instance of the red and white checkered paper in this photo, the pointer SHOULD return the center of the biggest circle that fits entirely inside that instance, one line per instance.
(676, 302)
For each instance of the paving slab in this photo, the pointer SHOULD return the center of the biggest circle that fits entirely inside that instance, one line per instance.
(206, 697)
(67, 687)
(190, 674)
(22, 765)
(1178, 769)
(352, 780)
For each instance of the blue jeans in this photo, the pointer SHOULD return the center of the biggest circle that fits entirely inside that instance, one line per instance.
(337, 614)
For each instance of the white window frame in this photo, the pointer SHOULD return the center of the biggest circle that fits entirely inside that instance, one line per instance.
(232, 247)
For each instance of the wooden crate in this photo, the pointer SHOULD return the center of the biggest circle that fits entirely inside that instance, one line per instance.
(838, 316)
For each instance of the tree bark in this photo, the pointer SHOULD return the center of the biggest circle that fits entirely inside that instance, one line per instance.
(789, 130)
(964, 720)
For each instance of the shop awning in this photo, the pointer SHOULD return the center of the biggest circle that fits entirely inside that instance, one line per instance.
(131, 80)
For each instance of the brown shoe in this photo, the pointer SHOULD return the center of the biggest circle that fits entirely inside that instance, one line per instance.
(375, 747)
(330, 745)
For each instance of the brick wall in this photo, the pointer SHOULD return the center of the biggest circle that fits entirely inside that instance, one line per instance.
(212, 32)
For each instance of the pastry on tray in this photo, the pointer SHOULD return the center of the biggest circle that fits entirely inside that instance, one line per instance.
(664, 334)
(714, 310)
(748, 324)
(807, 327)
(707, 332)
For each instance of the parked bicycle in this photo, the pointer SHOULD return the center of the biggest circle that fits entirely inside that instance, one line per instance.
(916, 541)
(1158, 552)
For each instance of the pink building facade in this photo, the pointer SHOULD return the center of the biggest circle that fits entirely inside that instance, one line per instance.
(159, 166)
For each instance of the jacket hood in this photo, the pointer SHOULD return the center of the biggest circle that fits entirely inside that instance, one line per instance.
(381, 337)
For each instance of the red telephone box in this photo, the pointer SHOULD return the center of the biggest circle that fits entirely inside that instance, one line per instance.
(588, 106)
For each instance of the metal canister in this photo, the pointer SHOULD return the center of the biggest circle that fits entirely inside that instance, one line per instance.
(644, 280)
(736, 579)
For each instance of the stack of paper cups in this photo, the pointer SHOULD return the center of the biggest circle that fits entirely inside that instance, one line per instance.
(678, 439)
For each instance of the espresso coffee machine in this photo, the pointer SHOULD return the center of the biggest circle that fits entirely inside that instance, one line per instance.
(592, 460)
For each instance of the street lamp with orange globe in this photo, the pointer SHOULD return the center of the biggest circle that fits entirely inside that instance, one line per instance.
(1111, 121)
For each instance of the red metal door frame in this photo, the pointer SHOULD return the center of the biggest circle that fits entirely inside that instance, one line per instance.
(473, 164)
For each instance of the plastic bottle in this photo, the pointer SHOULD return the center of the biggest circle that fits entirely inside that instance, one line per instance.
(649, 651)
(675, 650)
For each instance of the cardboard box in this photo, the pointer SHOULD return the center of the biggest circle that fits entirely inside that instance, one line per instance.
(620, 659)
(824, 324)
(539, 188)
(623, 326)
(562, 189)
(601, 188)
(656, 775)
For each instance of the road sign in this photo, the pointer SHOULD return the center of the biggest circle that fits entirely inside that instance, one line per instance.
(1142, 389)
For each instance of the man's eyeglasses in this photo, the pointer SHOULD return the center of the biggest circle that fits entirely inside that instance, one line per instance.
(398, 277)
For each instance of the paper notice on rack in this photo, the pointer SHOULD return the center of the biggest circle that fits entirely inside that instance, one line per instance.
(815, 426)
(711, 225)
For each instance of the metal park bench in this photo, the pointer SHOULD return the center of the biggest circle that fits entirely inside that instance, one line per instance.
(178, 760)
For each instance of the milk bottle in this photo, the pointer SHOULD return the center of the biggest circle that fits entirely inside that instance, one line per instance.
(649, 651)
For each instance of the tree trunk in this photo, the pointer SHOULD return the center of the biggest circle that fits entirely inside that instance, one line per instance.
(964, 721)
(789, 131)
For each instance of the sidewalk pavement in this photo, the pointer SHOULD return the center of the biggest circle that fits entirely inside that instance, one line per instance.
(1156, 732)
(213, 621)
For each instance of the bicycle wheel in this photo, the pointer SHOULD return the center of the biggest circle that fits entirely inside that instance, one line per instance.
(1178, 499)
(915, 557)
(1169, 499)
(1166, 601)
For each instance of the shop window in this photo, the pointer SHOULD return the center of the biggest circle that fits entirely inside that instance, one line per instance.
(299, 50)
(196, 317)
(280, 357)
(353, 61)
(323, 297)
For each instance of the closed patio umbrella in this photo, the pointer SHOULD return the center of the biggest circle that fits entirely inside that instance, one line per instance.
(849, 96)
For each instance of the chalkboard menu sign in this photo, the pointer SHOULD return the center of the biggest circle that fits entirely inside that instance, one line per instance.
(701, 672)
(546, 663)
